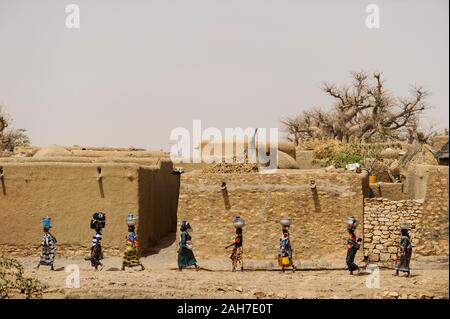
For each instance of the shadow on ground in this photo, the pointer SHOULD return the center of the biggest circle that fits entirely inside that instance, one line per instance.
(165, 242)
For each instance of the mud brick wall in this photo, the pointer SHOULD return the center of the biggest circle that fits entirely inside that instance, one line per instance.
(392, 191)
(318, 216)
(382, 219)
(70, 192)
(433, 226)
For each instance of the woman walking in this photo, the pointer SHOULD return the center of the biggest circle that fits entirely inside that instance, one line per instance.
(98, 222)
(404, 252)
(352, 245)
(131, 255)
(47, 256)
(237, 253)
(285, 253)
(185, 254)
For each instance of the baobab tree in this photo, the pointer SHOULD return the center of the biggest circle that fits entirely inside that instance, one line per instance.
(363, 111)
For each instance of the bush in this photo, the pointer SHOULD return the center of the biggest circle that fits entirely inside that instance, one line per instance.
(339, 154)
(343, 159)
(13, 280)
(334, 152)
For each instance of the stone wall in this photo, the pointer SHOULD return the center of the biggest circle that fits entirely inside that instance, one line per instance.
(382, 219)
(318, 215)
(427, 214)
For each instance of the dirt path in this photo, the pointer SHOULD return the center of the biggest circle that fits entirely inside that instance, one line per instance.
(257, 284)
(161, 279)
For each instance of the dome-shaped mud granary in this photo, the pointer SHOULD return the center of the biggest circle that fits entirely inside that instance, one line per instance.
(286, 162)
(52, 151)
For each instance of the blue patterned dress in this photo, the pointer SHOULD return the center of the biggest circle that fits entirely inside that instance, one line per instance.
(185, 255)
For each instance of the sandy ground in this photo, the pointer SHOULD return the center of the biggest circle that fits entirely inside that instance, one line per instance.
(161, 279)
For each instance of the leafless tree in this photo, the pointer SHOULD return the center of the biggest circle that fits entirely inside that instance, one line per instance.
(363, 111)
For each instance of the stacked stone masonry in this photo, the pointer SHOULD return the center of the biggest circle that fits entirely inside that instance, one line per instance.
(382, 219)
(426, 211)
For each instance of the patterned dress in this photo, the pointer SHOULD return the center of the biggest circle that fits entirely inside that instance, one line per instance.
(404, 254)
(185, 255)
(96, 250)
(48, 250)
(236, 255)
(131, 257)
(352, 248)
(286, 248)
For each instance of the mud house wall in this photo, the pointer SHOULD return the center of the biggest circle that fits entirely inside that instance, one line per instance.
(433, 226)
(158, 201)
(318, 229)
(392, 191)
(416, 181)
(69, 193)
(118, 153)
(81, 159)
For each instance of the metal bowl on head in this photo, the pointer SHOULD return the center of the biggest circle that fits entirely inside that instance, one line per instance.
(351, 221)
(285, 221)
(238, 222)
(404, 225)
(131, 220)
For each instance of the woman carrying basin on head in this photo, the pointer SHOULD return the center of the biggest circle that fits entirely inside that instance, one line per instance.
(285, 253)
(185, 253)
(404, 251)
(47, 256)
(352, 245)
(131, 254)
(237, 254)
(98, 222)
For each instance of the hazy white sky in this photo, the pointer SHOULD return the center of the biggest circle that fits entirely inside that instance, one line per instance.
(137, 69)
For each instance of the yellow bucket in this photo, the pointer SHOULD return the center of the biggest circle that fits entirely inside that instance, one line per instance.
(372, 179)
(285, 261)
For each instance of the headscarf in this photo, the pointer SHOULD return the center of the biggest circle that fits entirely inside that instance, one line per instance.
(184, 225)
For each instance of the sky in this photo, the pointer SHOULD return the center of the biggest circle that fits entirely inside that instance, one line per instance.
(135, 70)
